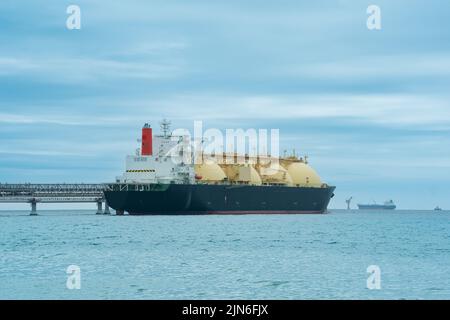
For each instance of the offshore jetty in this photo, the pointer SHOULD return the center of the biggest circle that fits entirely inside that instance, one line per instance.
(54, 193)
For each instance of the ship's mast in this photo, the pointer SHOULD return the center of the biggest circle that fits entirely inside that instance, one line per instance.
(165, 128)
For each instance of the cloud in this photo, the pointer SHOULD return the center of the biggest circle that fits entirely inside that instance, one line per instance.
(33, 119)
(373, 67)
(382, 109)
(9, 66)
(389, 109)
(50, 153)
(88, 69)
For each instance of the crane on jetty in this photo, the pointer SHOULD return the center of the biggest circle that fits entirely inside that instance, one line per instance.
(348, 201)
(54, 193)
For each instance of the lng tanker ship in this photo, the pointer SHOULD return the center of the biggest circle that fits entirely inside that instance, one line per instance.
(159, 181)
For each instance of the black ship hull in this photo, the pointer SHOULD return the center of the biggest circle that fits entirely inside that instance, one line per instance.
(194, 199)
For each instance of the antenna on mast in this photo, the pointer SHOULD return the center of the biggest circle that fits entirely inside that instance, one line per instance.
(165, 128)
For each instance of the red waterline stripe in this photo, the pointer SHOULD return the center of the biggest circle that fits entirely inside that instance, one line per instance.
(236, 212)
(265, 212)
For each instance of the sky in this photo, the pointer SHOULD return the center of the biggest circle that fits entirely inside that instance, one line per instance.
(370, 108)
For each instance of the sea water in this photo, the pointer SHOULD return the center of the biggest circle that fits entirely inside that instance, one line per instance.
(226, 257)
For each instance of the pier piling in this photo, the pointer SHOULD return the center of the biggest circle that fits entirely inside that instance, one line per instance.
(33, 211)
(99, 207)
(107, 211)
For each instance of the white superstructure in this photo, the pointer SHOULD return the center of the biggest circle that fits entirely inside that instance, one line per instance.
(159, 160)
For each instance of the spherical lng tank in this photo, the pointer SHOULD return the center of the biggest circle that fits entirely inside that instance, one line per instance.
(303, 175)
(245, 173)
(209, 172)
(275, 174)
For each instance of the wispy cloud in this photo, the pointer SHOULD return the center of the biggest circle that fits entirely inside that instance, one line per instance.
(88, 69)
(392, 66)
(389, 109)
(386, 109)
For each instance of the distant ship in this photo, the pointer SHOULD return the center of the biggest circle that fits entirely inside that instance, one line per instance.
(387, 205)
(437, 209)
